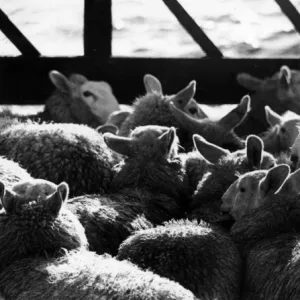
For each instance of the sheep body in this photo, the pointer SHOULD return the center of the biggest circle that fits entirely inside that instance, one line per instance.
(149, 187)
(57, 152)
(199, 258)
(85, 275)
(43, 253)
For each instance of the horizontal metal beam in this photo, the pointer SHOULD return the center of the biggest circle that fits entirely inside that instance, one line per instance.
(16, 36)
(25, 80)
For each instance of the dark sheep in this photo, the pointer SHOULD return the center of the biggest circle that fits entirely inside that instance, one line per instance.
(201, 259)
(281, 92)
(58, 152)
(44, 256)
(153, 108)
(268, 238)
(148, 187)
(219, 132)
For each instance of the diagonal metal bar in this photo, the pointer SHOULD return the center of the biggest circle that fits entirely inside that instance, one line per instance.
(16, 36)
(291, 12)
(193, 29)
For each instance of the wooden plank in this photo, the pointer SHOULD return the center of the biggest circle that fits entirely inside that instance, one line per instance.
(193, 28)
(25, 80)
(16, 36)
(291, 12)
(97, 28)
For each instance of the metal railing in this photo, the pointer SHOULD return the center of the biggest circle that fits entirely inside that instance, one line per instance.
(98, 28)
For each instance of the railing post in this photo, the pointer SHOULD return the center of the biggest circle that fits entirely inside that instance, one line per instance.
(97, 28)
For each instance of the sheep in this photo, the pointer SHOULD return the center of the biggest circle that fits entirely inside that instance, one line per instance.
(199, 258)
(56, 152)
(152, 108)
(76, 100)
(283, 132)
(252, 190)
(281, 92)
(222, 170)
(295, 153)
(149, 187)
(269, 241)
(44, 256)
(219, 132)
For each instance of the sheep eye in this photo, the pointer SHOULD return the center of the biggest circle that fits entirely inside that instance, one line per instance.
(283, 130)
(87, 94)
(193, 110)
(242, 190)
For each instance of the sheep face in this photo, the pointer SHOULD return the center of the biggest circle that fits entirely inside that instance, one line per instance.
(34, 221)
(218, 132)
(282, 134)
(88, 101)
(252, 190)
(146, 142)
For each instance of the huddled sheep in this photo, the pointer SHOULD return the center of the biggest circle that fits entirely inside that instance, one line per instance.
(198, 257)
(180, 111)
(223, 168)
(282, 133)
(56, 152)
(267, 233)
(44, 256)
(149, 187)
(281, 92)
(154, 200)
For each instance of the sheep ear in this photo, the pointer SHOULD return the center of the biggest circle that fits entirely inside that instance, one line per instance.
(56, 200)
(121, 145)
(272, 117)
(291, 185)
(254, 148)
(210, 151)
(249, 82)
(7, 198)
(117, 117)
(152, 84)
(285, 76)
(236, 116)
(60, 81)
(78, 78)
(274, 179)
(107, 128)
(182, 98)
(167, 138)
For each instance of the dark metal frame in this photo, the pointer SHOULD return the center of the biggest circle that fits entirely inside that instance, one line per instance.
(24, 79)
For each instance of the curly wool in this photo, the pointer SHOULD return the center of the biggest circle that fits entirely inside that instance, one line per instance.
(199, 258)
(270, 246)
(118, 215)
(73, 153)
(121, 215)
(84, 275)
(272, 269)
